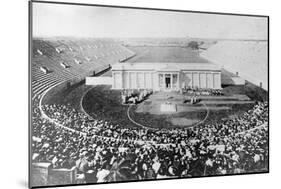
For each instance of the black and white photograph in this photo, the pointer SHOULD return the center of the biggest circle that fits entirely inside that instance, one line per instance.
(123, 94)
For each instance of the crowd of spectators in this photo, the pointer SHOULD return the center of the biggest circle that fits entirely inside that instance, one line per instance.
(235, 145)
(135, 96)
(201, 92)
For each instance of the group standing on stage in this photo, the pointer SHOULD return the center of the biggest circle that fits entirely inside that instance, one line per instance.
(200, 91)
(194, 99)
(135, 96)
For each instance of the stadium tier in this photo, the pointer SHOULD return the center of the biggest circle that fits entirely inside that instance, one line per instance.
(71, 60)
(237, 145)
(247, 58)
(68, 138)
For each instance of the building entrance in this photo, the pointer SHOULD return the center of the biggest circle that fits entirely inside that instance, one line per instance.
(167, 81)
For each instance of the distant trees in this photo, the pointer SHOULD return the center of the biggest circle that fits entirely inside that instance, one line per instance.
(194, 45)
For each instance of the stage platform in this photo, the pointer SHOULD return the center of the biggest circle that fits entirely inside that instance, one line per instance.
(168, 107)
(176, 96)
(173, 109)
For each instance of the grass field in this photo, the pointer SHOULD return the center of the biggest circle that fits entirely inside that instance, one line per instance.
(166, 54)
(103, 103)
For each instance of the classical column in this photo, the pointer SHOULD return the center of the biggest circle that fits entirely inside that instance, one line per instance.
(164, 80)
(178, 81)
(199, 80)
(206, 79)
(191, 79)
(158, 80)
(171, 81)
(152, 80)
(214, 82)
(144, 79)
(122, 79)
(114, 81)
(129, 78)
(219, 80)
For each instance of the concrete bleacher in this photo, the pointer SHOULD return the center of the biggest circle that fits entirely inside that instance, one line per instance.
(41, 82)
(247, 58)
(91, 53)
(94, 55)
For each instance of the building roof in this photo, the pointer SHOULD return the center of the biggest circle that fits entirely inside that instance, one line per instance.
(169, 54)
(165, 58)
(152, 66)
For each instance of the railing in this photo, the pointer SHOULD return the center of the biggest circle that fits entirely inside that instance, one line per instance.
(42, 175)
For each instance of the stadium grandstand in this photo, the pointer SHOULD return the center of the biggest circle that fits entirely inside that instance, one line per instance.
(45, 55)
(92, 134)
(246, 57)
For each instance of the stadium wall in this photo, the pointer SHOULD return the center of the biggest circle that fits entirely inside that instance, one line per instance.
(62, 176)
(58, 91)
(43, 174)
(98, 81)
(40, 172)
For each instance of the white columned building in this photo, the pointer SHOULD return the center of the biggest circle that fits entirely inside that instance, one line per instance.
(165, 76)
(164, 68)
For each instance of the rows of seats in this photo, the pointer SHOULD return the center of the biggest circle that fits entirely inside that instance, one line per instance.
(65, 59)
(40, 82)
(233, 146)
(93, 55)
(248, 58)
(225, 147)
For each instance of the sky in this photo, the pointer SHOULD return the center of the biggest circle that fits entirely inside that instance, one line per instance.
(51, 20)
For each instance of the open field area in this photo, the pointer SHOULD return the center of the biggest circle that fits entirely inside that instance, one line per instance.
(73, 122)
(122, 94)
(249, 58)
(101, 102)
(166, 54)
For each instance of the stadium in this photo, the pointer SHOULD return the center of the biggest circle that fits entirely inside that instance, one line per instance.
(123, 94)
(113, 110)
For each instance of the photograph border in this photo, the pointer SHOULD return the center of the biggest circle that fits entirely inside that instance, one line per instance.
(30, 37)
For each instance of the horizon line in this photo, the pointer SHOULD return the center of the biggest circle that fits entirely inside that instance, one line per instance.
(105, 37)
